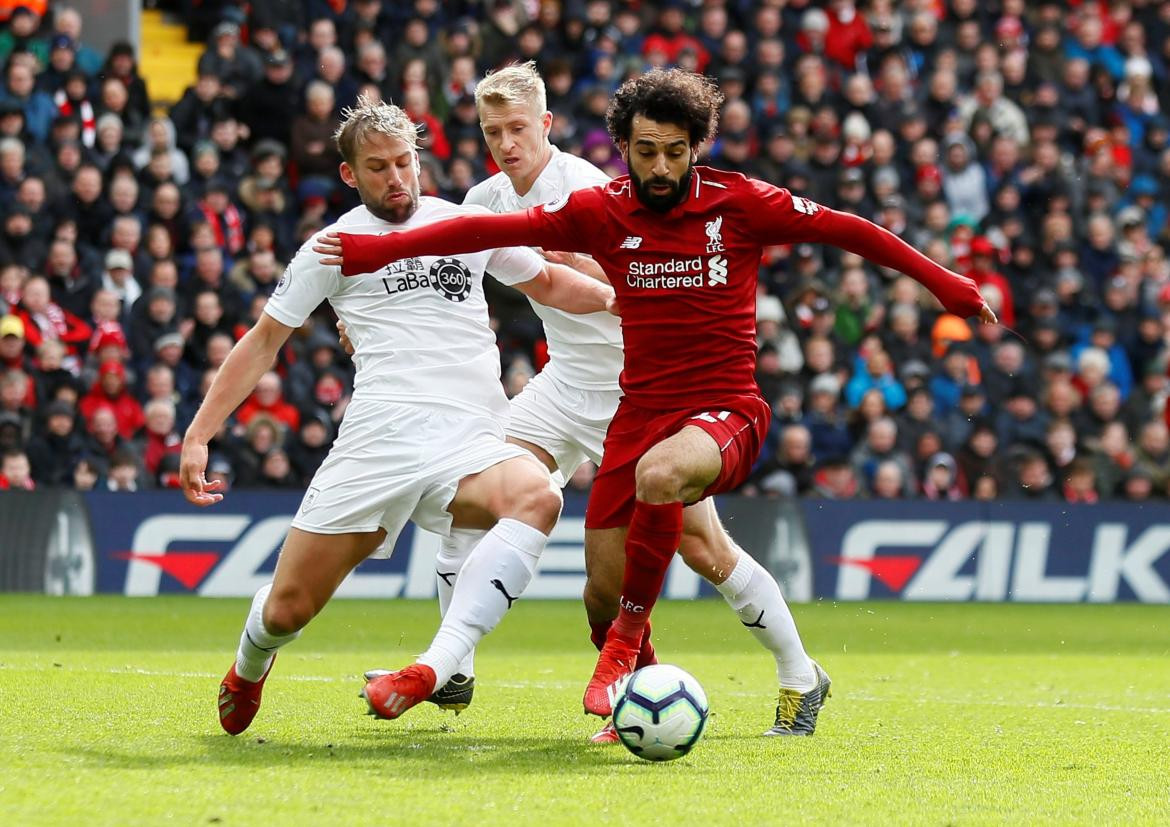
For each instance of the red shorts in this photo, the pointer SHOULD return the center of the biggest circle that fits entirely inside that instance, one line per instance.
(738, 428)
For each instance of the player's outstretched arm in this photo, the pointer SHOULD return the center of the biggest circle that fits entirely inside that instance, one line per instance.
(580, 262)
(249, 360)
(565, 289)
(358, 254)
(958, 294)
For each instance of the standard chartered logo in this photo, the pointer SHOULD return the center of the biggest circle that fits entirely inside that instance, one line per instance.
(716, 271)
(676, 273)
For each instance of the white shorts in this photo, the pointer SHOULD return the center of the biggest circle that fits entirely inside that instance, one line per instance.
(392, 463)
(567, 422)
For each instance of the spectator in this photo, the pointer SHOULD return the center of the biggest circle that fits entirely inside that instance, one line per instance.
(159, 436)
(15, 471)
(44, 319)
(124, 472)
(877, 375)
(54, 453)
(269, 106)
(110, 391)
(268, 398)
(790, 472)
(312, 148)
(881, 446)
(195, 112)
(236, 66)
(20, 88)
(1034, 480)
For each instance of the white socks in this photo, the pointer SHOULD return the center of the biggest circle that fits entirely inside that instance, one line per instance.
(257, 645)
(453, 553)
(755, 596)
(495, 573)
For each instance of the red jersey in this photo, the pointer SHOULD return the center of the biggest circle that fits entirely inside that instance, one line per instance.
(685, 279)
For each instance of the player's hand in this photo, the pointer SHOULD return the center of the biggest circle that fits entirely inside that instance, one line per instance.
(346, 344)
(987, 315)
(329, 246)
(611, 304)
(192, 465)
(561, 257)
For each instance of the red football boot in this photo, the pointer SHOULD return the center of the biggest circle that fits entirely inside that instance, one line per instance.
(239, 700)
(391, 695)
(616, 661)
(606, 735)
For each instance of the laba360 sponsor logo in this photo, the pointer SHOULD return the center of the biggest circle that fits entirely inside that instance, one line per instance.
(1010, 562)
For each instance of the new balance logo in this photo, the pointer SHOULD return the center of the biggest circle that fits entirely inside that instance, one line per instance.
(632, 242)
(504, 592)
(755, 624)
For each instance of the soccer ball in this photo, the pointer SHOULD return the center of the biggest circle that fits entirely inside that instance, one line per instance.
(660, 713)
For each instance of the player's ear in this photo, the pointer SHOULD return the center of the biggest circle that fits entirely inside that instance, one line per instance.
(417, 165)
(546, 123)
(624, 151)
(346, 173)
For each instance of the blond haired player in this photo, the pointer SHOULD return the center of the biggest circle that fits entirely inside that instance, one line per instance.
(422, 439)
(562, 415)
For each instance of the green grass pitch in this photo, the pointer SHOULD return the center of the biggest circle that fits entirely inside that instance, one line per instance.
(955, 714)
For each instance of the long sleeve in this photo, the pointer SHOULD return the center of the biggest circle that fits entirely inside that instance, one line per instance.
(958, 294)
(782, 218)
(466, 234)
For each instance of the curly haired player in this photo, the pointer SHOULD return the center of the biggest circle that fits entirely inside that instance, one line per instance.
(680, 244)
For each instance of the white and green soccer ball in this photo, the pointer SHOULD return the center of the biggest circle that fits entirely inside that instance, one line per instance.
(660, 712)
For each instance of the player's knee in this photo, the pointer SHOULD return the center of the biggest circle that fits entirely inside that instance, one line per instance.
(536, 502)
(287, 612)
(657, 481)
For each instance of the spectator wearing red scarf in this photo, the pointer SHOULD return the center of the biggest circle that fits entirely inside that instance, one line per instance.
(45, 319)
(222, 216)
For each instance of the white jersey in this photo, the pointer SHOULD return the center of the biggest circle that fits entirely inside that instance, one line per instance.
(419, 326)
(585, 351)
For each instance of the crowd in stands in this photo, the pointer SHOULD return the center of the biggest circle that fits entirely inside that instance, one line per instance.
(1020, 143)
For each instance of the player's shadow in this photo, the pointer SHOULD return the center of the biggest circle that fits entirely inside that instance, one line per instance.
(443, 754)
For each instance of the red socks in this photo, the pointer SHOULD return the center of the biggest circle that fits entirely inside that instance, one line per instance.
(646, 655)
(655, 532)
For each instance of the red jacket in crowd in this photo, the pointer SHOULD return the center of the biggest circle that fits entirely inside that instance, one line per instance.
(110, 390)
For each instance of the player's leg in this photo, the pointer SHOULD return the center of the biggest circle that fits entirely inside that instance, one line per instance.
(675, 470)
(515, 498)
(310, 568)
(605, 562)
(454, 550)
(753, 594)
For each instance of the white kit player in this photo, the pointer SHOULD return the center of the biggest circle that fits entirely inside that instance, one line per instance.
(561, 416)
(422, 438)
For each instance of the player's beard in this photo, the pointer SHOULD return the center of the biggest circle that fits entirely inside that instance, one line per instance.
(661, 203)
(395, 213)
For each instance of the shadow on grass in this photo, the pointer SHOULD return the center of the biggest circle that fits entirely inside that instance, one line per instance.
(428, 751)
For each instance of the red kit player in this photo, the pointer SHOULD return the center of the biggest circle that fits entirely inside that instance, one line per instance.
(681, 245)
